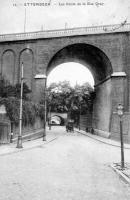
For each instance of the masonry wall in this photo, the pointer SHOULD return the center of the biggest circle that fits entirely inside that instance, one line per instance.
(116, 46)
(119, 95)
(5, 129)
(43, 50)
(110, 44)
(115, 127)
(86, 122)
(102, 108)
(29, 131)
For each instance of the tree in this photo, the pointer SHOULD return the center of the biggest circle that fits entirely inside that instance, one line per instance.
(64, 98)
(8, 90)
(57, 93)
(10, 97)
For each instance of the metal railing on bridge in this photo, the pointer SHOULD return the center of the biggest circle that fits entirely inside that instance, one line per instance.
(123, 27)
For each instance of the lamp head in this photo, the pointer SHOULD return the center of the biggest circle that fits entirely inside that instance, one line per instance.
(120, 110)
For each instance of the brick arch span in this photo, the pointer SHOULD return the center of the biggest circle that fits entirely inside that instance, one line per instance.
(26, 57)
(88, 55)
(100, 66)
(62, 119)
(8, 65)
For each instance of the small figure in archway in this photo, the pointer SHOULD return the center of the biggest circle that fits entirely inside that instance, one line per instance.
(70, 125)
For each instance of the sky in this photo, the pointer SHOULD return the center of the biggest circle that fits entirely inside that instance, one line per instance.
(73, 72)
(36, 15)
(25, 15)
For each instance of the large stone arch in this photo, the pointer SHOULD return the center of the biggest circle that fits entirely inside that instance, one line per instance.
(8, 65)
(90, 56)
(100, 66)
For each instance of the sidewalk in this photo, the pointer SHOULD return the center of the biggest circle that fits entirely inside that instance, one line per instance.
(51, 135)
(10, 148)
(6, 149)
(123, 173)
(103, 140)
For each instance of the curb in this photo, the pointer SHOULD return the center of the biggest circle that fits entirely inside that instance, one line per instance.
(100, 139)
(30, 136)
(16, 150)
(121, 174)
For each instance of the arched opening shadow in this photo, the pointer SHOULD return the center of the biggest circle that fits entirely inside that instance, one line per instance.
(100, 66)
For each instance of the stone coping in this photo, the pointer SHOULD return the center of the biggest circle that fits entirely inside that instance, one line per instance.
(123, 173)
(103, 29)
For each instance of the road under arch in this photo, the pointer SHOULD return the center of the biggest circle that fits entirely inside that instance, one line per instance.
(100, 66)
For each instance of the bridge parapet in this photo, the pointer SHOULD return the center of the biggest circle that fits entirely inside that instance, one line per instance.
(123, 27)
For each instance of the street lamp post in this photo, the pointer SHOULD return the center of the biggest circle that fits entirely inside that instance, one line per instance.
(44, 133)
(79, 115)
(120, 114)
(43, 77)
(19, 141)
(49, 110)
(49, 117)
(80, 99)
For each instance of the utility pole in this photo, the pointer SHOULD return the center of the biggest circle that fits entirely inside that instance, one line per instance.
(19, 142)
(120, 114)
(45, 110)
(25, 20)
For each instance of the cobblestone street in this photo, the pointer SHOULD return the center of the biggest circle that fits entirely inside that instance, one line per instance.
(72, 167)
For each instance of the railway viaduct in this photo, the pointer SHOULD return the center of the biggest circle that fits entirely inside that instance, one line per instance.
(104, 50)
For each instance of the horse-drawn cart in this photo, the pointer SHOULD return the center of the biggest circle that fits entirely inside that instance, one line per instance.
(70, 126)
